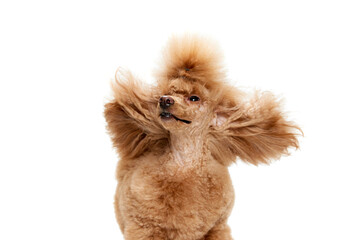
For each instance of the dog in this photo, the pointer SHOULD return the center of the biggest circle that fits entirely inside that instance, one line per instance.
(177, 139)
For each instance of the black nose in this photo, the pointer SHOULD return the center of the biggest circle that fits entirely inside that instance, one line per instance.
(166, 101)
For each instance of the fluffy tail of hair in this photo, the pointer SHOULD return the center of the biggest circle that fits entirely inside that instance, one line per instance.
(191, 57)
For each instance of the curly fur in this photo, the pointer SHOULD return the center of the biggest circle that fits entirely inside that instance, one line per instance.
(173, 181)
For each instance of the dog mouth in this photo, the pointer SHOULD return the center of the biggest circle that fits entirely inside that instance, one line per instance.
(167, 115)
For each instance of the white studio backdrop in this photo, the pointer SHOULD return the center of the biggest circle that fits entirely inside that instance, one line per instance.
(57, 58)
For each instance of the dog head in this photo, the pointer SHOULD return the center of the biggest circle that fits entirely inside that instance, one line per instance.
(192, 98)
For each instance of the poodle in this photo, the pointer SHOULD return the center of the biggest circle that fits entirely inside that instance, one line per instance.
(177, 139)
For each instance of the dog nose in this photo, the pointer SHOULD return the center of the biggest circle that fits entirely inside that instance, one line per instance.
(166, 101)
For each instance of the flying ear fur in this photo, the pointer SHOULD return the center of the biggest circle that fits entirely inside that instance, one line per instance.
(130, 117)
(256, 131)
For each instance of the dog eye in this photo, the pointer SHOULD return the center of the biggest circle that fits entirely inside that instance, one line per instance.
(194, 98)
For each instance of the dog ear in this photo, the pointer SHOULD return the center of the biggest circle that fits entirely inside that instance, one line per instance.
(254, 130)
(131, 117)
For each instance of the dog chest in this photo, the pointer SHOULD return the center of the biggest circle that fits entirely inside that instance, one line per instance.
(195, 203)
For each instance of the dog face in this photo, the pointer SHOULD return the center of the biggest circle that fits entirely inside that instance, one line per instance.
(184, 105)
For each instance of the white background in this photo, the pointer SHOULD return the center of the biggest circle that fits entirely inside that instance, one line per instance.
(56, 61)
